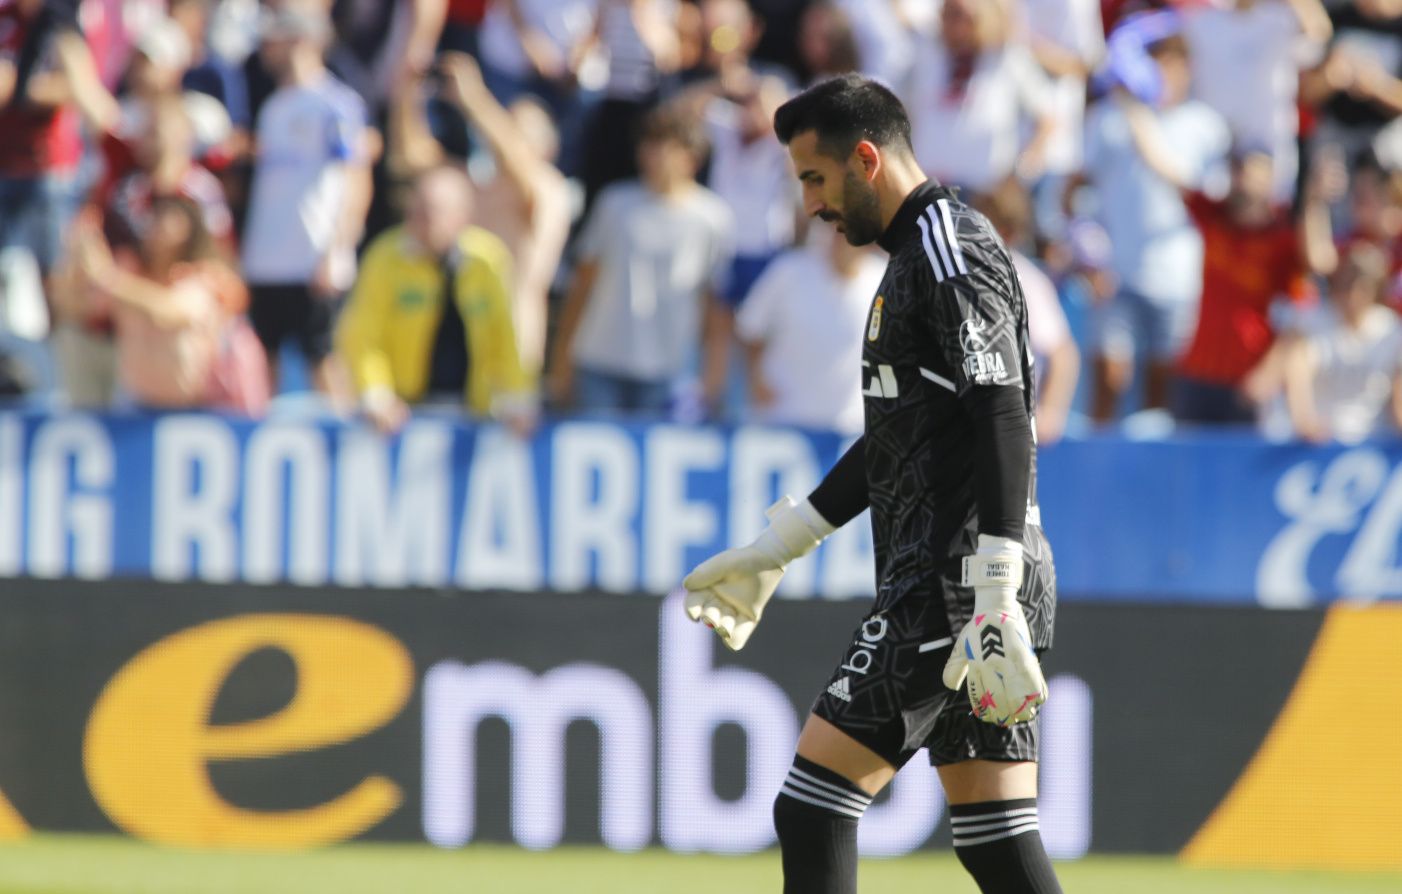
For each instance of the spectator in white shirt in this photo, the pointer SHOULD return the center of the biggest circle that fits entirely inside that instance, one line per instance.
(1343, 378)
(1246, 57)
(970, 93)
(641, 313)
(311, 189)
(751, 172)
(801, 326)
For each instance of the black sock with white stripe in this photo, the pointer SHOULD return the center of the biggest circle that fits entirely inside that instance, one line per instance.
(998, 843)
(816, 817)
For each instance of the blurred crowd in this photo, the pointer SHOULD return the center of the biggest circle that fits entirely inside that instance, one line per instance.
(511, 208)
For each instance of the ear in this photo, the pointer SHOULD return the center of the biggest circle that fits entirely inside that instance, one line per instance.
(868, 156)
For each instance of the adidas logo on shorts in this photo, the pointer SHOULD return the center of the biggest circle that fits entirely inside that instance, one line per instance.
(841, 689)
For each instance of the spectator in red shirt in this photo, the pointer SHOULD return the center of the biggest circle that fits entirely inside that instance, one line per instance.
(1253, 254)
(47, 76)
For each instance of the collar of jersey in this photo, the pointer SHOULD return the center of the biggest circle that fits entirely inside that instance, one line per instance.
(902, 225)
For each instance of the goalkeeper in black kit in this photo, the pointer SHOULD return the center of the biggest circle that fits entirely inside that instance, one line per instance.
(965, 592)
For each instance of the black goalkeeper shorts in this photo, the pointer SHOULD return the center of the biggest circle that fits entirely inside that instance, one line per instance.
(888, 694)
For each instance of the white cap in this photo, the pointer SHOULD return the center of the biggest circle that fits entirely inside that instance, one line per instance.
(164, 43)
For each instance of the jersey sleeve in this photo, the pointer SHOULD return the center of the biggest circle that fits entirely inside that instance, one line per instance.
(842, 495)
(345, 128)
(975, 330)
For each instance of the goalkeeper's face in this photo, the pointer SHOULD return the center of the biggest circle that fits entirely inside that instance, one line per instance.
(836, 190)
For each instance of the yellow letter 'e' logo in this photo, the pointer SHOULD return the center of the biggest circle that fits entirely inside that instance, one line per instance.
(149, 739)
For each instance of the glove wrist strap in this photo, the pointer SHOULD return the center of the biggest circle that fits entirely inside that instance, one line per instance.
(795, 529)
(995, 571)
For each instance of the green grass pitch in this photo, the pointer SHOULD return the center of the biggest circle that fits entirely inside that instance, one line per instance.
(69, 864)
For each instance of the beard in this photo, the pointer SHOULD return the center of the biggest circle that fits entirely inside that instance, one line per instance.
(861, 215)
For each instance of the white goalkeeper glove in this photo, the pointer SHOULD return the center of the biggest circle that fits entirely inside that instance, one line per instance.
(728, 591)
(994, 650)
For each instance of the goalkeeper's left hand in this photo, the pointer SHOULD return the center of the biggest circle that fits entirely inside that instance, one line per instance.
(994, 650)
(728, 591)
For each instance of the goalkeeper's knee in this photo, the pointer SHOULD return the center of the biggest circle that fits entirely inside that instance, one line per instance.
(816, 817)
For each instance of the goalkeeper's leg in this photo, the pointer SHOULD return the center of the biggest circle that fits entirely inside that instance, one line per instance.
(993, 812)
(830, 785)
(993, 815)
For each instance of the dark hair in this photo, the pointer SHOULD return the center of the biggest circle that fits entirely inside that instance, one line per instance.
(843, 111)
(672, 123)
(199, 245)
(843, 55)
(1172, 45)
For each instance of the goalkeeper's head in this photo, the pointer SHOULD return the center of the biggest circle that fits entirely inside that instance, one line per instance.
(847, 136)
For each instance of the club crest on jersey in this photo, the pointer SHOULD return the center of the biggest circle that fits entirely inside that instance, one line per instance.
(874, 327)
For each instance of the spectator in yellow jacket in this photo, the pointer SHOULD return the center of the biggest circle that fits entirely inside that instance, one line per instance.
(429, 319)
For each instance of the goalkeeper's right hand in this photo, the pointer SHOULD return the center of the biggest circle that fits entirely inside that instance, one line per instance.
(728, 591)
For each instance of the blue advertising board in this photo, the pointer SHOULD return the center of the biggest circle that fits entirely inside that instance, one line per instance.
(629, 508)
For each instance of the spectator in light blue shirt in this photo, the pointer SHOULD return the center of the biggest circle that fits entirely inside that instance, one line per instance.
(1157, 255)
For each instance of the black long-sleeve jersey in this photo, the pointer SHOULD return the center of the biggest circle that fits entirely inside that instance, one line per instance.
(948, 451)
